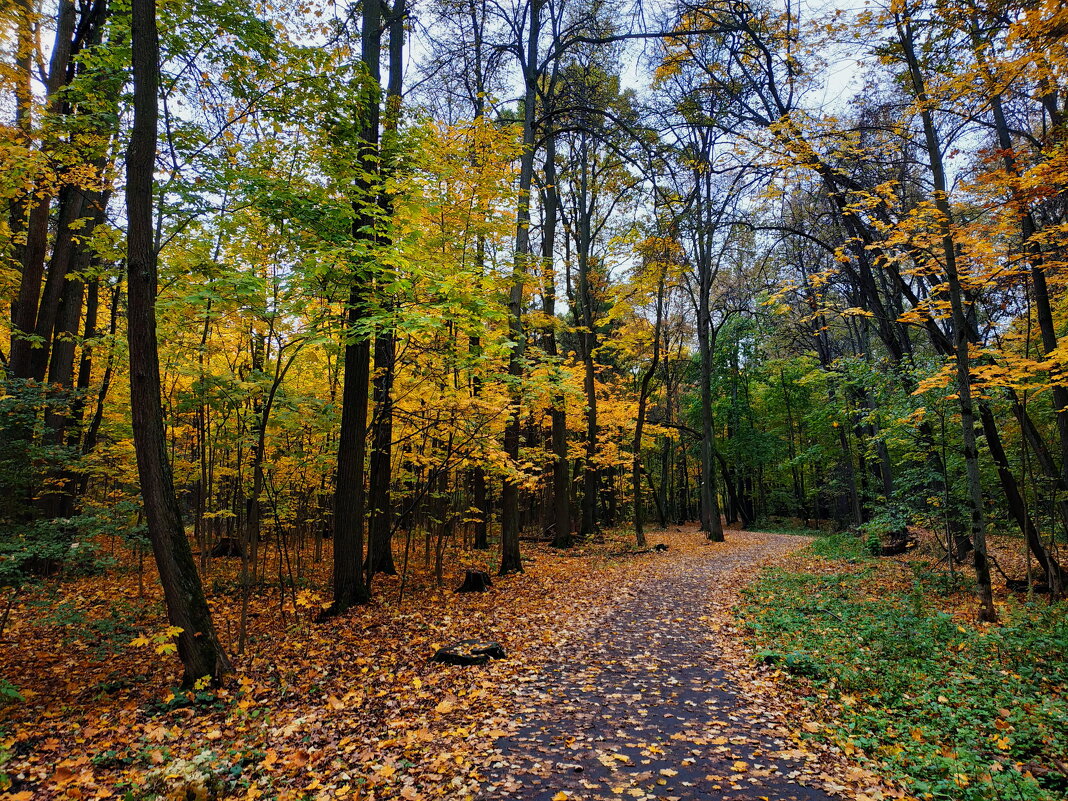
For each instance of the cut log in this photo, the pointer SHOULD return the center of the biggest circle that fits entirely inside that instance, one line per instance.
(658, 548)
(1020, 585)
(469, 652)
(475, 581)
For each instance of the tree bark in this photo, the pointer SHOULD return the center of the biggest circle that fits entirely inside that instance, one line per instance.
(639, 425)
(511, 560)
(959, 317)
(380, 539)
(560, 507)
(349, 491)
(187, 608)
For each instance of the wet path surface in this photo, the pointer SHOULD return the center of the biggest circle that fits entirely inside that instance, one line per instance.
(646, 710)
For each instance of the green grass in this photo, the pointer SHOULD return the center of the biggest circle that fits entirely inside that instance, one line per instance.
(952, 711)
(773, 527)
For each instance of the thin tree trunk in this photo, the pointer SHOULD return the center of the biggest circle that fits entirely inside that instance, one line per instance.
(639, 424)
(959, 317)
(34, 252)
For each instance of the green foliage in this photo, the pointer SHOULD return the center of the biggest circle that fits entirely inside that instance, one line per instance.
(40, 547)
(953, 711)
(5, 777)
(842, 545)
(104, 633)
(9, 694)
(32, 463)
(890, 519)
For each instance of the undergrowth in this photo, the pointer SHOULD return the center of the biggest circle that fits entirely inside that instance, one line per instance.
(952, 711)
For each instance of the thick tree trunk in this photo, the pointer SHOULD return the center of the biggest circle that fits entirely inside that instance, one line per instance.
(380, 542)
(349, 492)
(511, 561)
(35, 250)
(710, 517)
(588, 344)
(187, 609)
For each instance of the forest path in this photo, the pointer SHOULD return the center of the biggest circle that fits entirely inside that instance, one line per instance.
(645, 707)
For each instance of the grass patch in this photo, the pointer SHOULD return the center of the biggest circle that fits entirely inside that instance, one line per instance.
(784, 527)
(953, 711)
(843, 545)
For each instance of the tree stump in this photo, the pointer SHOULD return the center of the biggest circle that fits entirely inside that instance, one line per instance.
(469, 652)
(475, 581)
(227, 547)
(898, 542)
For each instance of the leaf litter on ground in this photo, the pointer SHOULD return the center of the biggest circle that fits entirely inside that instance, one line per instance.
(355, 708)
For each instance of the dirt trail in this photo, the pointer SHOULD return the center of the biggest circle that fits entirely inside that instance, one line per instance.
(645, 708)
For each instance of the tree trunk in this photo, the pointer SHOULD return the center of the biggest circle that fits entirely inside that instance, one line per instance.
(639, 424)
(710, 520)
(34, 252)
(380, 541)
(187, 609)
(349, 491)
(560, 507)
(511, 561)
(959, 317)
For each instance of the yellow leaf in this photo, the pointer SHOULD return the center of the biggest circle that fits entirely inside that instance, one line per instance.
(740, 767)
(560, 796)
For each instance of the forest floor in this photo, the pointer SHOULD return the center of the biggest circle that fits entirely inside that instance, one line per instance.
(627, 677)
